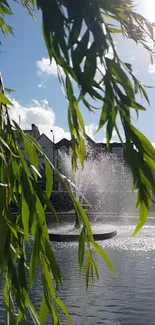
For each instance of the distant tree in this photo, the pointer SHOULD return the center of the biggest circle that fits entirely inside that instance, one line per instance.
(78, 35)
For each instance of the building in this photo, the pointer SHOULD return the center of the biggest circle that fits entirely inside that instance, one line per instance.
(48, 147)
(64, 146)
(34, 131)
(54, 150)
(46, 144)
(115, 148)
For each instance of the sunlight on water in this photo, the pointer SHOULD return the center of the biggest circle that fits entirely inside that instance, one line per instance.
(143, 241)
(128, 299)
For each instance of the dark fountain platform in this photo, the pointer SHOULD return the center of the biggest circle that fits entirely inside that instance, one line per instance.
(55, 237)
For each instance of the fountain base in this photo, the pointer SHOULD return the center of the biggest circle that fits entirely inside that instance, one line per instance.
(56, 237)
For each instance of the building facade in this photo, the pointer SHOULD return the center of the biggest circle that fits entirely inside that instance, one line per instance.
(56, 150)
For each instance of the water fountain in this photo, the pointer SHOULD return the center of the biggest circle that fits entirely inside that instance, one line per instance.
(102, 188)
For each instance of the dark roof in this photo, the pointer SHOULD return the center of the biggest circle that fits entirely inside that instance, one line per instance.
(100, 145)
(89, 139)
(63, 143)
(67, 143)
(116, 144)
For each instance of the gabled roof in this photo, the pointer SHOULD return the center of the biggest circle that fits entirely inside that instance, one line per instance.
(89, 139)
(63, 143)
(67, 143)
(47, 138)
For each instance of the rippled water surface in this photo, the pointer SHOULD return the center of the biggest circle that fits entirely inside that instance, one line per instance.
(128, 299)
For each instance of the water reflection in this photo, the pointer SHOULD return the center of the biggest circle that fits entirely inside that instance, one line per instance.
(128, 299)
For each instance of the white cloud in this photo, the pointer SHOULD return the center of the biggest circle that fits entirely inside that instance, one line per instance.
(132, 55)
(151, 68)
(153, 144)
(90, 130)
(44, 67)
(39, 113)
(115, 137)
(41, 84)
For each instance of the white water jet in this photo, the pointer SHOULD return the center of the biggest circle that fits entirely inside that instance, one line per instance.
(104, 185)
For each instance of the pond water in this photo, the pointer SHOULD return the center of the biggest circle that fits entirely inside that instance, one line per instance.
(128, 299)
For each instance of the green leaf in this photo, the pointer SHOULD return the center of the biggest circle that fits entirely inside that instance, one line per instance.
(87, 269)
(90, 67)
(64, 309)
(52, 261)
(79, 117)
(49, 178)
(4, 100)
(143, 215)
(129, 66)
(48, 284)
(103, 254)
(13, 230)
(76, 28)
(5, 10)
(95, 95)
(6, 294)
(108, 104)
(121, 77)
(95, 269)
(48, 203)
(115, 30)
(80, 52)
(27, 186)
(54, 316)
(69, 90)
(146, 144)
(43, 311)
(49, 291)
(36, 171)
(81, 153)
(149, 161)
(131, 103)
(4, 143)
(19, 317)
(15, 284)
(34, 259)
(84, 218)
(144, 93)
(7, 90)
(104, 115)
(81, 249)
(21, 273)
(111, 124)
(34, 142)
(32, 155)
(33, 314)
(25, 216)
(40, 214)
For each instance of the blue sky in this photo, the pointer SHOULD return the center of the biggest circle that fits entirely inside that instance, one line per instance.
(25, 68)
